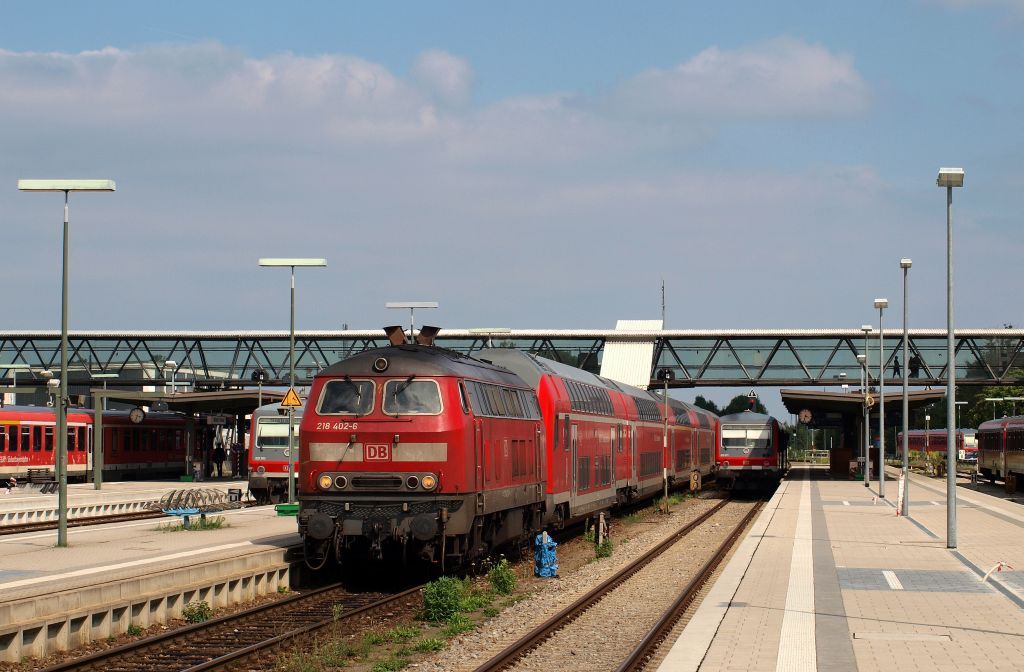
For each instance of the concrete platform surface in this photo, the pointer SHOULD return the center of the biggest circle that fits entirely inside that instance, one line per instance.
(113, 576)
(830, 578)
(27, 504)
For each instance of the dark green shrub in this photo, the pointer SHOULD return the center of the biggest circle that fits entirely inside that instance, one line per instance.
(442, 599)
(502, 577)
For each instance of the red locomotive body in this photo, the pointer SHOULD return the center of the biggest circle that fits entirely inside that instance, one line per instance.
(1001, 450)
(752, 451)
(152, 448)
(416, 450)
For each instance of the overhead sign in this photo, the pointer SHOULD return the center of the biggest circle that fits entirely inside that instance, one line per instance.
(291, 400)
(216, 419)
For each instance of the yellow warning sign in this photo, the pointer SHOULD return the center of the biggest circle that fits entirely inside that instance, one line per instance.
(291, 400)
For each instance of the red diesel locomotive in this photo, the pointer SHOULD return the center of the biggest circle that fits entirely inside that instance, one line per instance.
(752, 451)
(151, 448)
(417, 451)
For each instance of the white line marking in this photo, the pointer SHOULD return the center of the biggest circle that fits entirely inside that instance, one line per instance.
(845, 503)
(796, 644)
(892, 579)
(936, 504)
(122, 565)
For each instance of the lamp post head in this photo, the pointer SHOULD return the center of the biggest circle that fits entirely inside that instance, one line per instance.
(881, 303)
(950, 177)
(66, 185)
(862, 358)
(866, 328)
(273, 261)
(906, 263)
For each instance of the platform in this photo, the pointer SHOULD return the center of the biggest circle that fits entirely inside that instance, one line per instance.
(116, 575)
(27, 504)
(829, 578)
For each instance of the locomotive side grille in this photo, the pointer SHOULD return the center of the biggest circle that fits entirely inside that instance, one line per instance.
(380, 512)
(377, 482)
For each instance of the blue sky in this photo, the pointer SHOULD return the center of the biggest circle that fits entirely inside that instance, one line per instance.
(530, 165)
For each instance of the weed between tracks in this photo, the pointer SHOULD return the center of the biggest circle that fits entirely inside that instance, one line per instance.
(451, 606)
(199, 525)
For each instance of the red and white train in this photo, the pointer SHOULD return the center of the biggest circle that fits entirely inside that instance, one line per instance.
(416, 451)
(268, 453)
(151, 448)
(934, 441)
(752, 452)
(1001, 450)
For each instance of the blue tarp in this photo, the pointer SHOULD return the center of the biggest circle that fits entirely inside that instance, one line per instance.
(544, 556)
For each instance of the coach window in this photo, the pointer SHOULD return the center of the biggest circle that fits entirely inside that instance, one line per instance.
(37, 438)
(347, 397)
(412, 397)
(26, 438)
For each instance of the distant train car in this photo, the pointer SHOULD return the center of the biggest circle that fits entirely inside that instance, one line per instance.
(752, 451)
(413, 451)
(1001, 450)
(934, 441)
(268, 453)
(152, 448)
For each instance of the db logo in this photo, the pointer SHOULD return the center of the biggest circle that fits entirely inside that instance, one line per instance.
(377, 452)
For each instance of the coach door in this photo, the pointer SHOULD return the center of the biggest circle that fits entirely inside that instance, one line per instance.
(478, 432)
(87, 437)
(574, 464)
(632, 450)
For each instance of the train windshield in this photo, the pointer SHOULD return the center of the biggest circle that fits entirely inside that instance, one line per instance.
(273, 433)
(346, 397)
(412, 397)
(747, 442)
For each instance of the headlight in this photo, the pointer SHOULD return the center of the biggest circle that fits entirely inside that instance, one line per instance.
(340, 481)
(260, 470)
(325, 481)
(429, 482)
(412, 482)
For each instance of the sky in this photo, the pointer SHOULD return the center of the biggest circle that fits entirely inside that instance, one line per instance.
(529, 165)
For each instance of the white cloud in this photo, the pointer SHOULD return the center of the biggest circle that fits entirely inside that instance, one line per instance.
(783, 77)
(445, 76)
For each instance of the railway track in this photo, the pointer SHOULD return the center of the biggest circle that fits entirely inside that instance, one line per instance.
(45, 525)
(530, 650)
(248, 639)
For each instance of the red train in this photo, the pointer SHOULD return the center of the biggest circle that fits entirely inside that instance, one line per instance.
(152, 448)
(1001, 450)
(268, 453)
(416, 451)
(934, 441)
(752, 451)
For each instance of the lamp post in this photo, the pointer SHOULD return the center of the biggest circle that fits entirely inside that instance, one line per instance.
(1011, 399)
(993, 400)
(862, 359)
(905, 264)
(881, 304)
(292, 263)
(13, 369)
(172, 366)
(67, 186)
(866, 328)
(412, 306)
(949, 178)
(97, 457)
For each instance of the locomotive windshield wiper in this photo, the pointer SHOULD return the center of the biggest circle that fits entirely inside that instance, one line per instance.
(405, 384)
(359, 389)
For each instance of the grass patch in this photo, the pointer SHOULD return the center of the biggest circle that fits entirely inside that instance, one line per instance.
(502, 577)
(604, 549)
(442, 598)
(491, 612)
(197, 612)
(196, 525)
(457, 625)
(428, 645)
(390, 665)
(134, 630)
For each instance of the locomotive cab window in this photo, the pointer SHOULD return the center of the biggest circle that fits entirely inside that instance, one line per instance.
(412, 397)
(346, 397)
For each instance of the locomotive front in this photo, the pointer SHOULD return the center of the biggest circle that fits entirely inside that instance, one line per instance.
(386, 456)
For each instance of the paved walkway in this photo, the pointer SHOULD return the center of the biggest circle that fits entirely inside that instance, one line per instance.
(829, 578)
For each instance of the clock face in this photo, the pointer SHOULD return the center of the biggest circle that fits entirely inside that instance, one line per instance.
(805, 416)
(136, 415)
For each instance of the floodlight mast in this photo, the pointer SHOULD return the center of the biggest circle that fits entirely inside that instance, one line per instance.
(412, 306)
(67, 186)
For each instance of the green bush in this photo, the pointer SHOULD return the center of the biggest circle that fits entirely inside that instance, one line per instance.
(502, 577)
(197, 612)
(457, 625)
(442, 599)
(604, 549)
(134, 630)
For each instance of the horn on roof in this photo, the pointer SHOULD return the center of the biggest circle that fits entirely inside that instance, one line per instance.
(427, 335)
(395, 334)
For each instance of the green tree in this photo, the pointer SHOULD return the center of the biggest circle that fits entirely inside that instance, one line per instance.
(707, 404)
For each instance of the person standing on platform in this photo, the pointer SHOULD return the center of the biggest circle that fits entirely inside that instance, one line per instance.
(218, 460)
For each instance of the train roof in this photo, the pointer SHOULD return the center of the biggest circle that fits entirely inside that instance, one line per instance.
(421, 360)
(746, 418)
(1001, 423)
(275, 407)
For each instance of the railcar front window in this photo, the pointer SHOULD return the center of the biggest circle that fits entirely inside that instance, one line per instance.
(412, 397)
(746, 442)
(346, 397)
